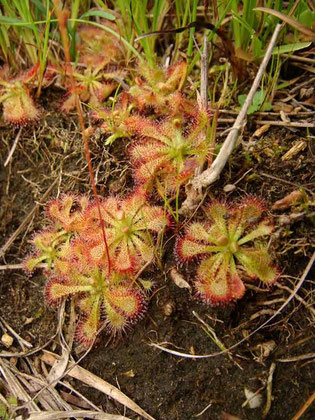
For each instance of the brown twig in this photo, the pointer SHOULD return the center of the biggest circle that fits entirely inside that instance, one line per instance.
(75, 393)
(269, 390)
(13, 147)
(298, 58)
(304, 407)
(284, 181)
(270, 113)
(19, 266)
(309, 81)
(15, 387)
(287, 124)
(298, 297)
(96, 415)
(297, 358)
(204, 58)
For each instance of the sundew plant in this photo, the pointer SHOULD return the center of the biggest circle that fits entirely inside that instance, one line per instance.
(143, 102)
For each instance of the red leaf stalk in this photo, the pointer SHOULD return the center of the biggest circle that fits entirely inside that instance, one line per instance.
(62, 16)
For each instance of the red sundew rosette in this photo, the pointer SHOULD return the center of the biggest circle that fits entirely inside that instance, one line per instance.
(18, 105)
(227, 244)
(128, 302)
(69, 211)
(19, 108)
(164, 152)
(129, 225)
(69, 98)
(217, 281)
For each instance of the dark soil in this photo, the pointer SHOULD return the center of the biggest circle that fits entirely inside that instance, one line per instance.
(166, 386)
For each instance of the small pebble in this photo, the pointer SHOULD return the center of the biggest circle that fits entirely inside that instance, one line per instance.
(229, 188)
(168, 308)
(129, 374)
(7, 340)
(178, 279)
(28, 321)
(254, 400)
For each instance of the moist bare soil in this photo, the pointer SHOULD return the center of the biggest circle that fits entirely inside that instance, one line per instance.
(170, 387)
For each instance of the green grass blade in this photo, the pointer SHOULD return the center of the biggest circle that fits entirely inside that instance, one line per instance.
(193, 15)
(99, 13)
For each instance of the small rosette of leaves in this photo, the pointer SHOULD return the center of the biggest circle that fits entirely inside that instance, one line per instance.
(160, 89)
(50, 246)
(97, 48)
(166, 154)
(67, 219)
(15, 96)
(69, 212)
(130, 225)
(93, 86)
(230, 246)
(98, 296)
(114, 118)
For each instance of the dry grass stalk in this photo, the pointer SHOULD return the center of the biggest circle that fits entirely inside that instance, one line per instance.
(210, 175)
(305, 406)
(287, 124)
(15, 387)
(79, 414)
(269, 390)
(297, 358)
(16, 140)
(94, 381)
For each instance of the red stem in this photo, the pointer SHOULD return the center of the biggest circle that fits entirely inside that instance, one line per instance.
(62, 16)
